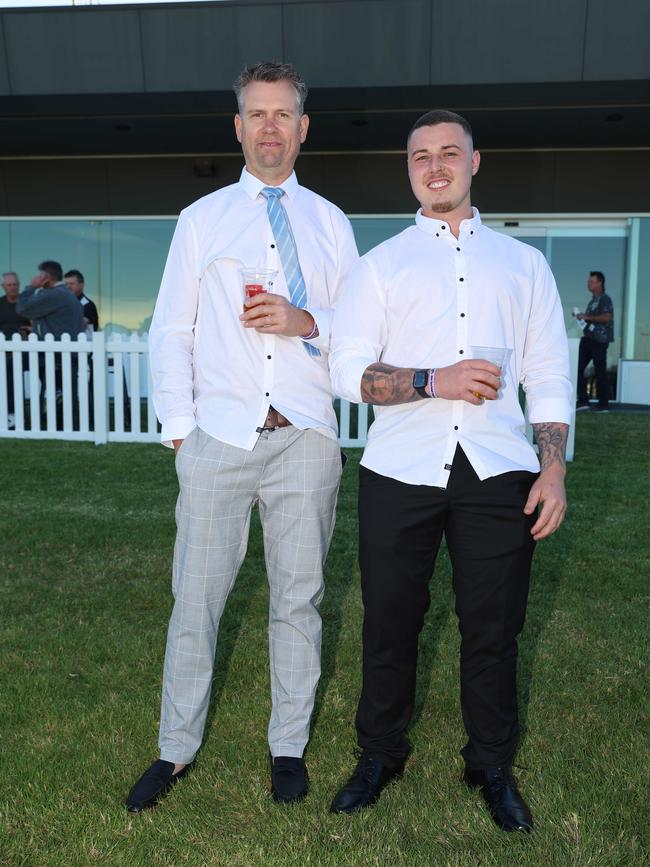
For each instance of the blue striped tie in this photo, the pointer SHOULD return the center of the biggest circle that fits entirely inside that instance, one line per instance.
(288, 253)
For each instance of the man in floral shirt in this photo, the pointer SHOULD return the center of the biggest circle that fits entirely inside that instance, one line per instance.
(597, 334)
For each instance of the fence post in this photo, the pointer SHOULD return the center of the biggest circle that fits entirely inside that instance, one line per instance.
(100, 391)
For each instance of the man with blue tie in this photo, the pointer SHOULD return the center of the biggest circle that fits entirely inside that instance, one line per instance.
(245, 400)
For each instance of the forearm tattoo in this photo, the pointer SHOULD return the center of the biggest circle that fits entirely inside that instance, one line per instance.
(385, 385)
(551, 440)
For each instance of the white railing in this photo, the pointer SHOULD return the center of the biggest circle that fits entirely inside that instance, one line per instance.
(111, 399)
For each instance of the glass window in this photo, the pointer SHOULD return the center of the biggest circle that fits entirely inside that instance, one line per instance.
(572, 258)
(642, 332)
(73, 243)
(370, 231)
(138, 251)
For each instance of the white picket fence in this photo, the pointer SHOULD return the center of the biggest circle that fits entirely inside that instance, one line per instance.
(114, 404)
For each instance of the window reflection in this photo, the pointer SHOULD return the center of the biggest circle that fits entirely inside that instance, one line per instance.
(123, 260)
(642, 339)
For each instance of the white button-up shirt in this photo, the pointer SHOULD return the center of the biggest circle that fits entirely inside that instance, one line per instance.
(421, 300)
(208, 370)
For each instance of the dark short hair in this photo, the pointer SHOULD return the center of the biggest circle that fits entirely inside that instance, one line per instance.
(52, 268)
(440, 115)
(599, 276)
(269, 70)
(74, 273)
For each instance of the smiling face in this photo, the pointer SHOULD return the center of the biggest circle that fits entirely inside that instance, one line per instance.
(270, 129)
(441, 164)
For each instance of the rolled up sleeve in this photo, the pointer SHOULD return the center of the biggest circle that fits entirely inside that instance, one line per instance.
(545, 367)
(358, 331)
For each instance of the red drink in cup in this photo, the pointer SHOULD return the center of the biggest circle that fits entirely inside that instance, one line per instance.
(256, 281)
(253, 289)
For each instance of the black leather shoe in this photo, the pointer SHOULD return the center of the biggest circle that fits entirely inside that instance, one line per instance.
(154, 785)
(365, 785)
(289, 779)
(499, 788)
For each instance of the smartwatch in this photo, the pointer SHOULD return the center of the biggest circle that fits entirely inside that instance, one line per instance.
(420, 381)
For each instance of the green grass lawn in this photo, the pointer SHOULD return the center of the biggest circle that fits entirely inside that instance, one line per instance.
(84, 602)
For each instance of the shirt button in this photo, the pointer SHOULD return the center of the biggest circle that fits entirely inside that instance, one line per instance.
(273, 246)
(455, 427)
(458, 248)
(461, 351)
(437, 234)
(267, 394)
(269, 357)
(462, 279)
(462, 315)
(443, 227)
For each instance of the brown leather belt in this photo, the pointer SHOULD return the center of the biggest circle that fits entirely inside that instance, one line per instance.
(273, 421)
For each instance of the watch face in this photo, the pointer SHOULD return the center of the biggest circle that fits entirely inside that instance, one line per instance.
(420, 378)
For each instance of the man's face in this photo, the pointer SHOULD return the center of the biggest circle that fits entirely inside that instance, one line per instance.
(270, 129)
(75, 285)
(594, 285)
(441, 164)
(11, 287)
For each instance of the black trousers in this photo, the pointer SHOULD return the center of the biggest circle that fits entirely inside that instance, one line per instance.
(491, 548)
(591, 350)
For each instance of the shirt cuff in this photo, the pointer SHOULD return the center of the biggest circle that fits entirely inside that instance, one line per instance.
(348, 385)
(176, 429)
(548, 410)
(323, 319)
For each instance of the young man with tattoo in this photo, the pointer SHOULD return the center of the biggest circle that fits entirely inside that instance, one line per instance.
(447, 453)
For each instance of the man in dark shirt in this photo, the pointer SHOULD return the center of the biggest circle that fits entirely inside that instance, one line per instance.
(53, 310)
(75, 282)
(49, 304)
(598, 333)
(11, 323)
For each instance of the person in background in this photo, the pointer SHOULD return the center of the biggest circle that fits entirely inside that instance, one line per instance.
(12, 323)
(49, 304)
(245, 400)
(75, 282)
(53, 310)
(447, 454)
(597, 334)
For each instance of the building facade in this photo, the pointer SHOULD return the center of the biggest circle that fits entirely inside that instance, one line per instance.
(112, 119)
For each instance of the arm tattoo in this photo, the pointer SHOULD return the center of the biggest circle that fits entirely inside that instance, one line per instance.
(385, 385)
(551, 440)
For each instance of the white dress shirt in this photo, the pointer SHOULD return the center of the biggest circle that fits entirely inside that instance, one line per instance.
(207, 369)
(420, 300)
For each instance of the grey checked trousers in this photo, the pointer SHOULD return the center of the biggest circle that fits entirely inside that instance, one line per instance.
(294, 476)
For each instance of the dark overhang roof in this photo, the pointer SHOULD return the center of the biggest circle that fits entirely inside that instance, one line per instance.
(132, 80)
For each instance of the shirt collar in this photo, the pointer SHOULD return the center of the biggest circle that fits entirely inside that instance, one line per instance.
(253, 186)
(440, 228)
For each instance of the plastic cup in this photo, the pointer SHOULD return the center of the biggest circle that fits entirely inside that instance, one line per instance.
(496, 355)
(256, 281)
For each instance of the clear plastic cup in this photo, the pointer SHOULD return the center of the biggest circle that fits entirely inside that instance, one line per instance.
(256, 281)
(496, 355)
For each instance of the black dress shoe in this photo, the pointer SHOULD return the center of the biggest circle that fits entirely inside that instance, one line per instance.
(289, 779)
(153, 785)
(365, 785)
(499, 788)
